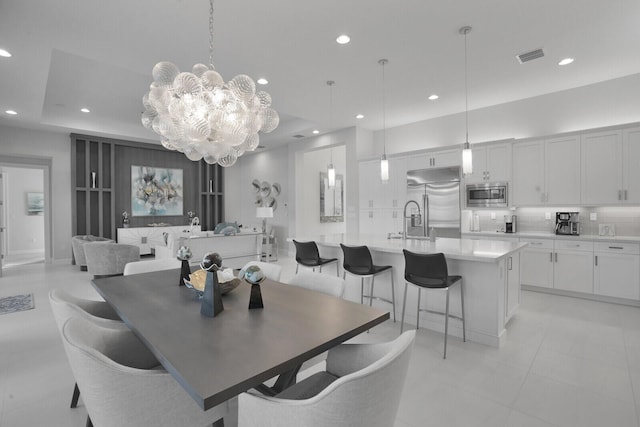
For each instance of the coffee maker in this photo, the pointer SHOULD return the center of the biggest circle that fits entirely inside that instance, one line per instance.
(510, 223)
(568, 223)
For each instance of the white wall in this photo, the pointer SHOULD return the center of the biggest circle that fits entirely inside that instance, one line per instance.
(57, 147)
(25, 233)
(608, 103)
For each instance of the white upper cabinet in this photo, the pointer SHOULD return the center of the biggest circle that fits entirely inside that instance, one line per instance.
(418, 161)
(547, 172)
(446, 158)
(528, 187)
(368, 183)
(395, 191)
(562, 170)
(491, 163)
(631, 165)
(602, 168)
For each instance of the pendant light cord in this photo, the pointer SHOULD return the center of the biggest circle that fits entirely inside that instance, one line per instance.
(211, 33)
(384, 110)
(466, 87)
(330, 83)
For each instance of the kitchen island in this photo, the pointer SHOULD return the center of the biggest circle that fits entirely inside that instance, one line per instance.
(489, 268)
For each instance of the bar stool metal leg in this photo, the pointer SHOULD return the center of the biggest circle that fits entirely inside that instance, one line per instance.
(297, 266)
(362, 290)
(418, 310)
(446, 325)
(393, 295)
(337, 273)
(464, 334)
(373, 278)
(404, 305)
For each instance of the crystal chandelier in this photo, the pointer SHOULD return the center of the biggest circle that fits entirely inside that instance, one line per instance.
(384, 163)
(467, 156)
(202, 116)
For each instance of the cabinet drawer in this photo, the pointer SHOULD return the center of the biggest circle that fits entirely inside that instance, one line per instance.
(538, 243)
(573, 245)
(616, 247)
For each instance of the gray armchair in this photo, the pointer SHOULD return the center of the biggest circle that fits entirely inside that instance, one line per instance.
(122, 385)
(362, 386)
(108, 259)
(77, 246)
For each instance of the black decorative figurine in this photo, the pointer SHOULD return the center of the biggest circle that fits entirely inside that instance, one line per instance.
(212, 298)
(254, 276)
(184, 254)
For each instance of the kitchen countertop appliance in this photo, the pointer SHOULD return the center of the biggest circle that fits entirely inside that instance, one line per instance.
(433, 202)
(487, 195)
(568, 223)
(510, 223)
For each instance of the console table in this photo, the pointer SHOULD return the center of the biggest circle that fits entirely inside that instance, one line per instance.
(147, 238)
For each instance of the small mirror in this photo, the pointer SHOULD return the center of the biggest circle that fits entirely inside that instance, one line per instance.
(331, 199)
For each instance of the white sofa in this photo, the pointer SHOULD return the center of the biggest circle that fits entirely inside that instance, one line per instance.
(235, 250)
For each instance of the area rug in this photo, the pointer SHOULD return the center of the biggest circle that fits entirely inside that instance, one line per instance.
(16, 303)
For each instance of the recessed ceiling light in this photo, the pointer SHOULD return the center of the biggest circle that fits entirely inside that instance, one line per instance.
(5, 53)
(433, 97)
(343, 39)
(359, 116)
(263, 81)
(316, 131)
(11, 112)
(566, 61)
(85, 110)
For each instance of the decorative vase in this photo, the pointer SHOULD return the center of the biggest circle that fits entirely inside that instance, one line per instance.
(212, 298)
(185, 271)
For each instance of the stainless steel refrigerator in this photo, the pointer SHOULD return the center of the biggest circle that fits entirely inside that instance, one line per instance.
(436, 193)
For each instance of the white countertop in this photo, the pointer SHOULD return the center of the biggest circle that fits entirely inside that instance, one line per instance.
(460, 249)
(547, 235)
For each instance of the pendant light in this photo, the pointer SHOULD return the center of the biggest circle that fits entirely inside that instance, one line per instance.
(331, 171)
(384, 163)
(467, 156)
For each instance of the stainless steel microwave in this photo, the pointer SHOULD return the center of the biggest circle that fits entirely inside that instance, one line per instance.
(489, 195)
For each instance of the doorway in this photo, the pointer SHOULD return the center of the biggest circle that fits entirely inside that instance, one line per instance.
(25, 211)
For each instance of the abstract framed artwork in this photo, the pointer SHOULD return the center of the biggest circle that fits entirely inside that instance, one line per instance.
(35, 203)
(156, 191)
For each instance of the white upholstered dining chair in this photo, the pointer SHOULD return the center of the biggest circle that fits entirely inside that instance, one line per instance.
(122, 384)
(324, 283)
(360, 388)
(147, 266)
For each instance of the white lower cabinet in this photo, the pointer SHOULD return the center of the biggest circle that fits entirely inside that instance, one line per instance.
(573, 269)
(617, 270)
(536, 261)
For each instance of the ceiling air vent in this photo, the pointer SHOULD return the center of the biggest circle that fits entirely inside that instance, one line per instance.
(298, 136)
(530, 56)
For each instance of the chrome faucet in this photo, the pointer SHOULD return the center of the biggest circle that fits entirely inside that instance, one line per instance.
(405, 217)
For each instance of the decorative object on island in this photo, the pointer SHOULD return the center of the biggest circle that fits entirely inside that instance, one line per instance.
(384, 163)
(184, 255)
(254, 276)
(200, 115)
(190, 216)
(264, 213)
(467, 160)
(212, 298)
(156, 191)
(125, 219)
(331, 171)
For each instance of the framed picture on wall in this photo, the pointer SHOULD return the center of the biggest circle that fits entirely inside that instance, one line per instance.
(35, 203)
(156, 191)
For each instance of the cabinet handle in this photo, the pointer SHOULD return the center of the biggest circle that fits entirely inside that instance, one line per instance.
(370, 214)
(596, 260)
(550, 256)
(616, 247)
(556, 256)
(510, 263)
(535, 243)
(619, 194)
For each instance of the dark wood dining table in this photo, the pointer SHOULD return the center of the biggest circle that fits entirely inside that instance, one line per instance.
(217, 358)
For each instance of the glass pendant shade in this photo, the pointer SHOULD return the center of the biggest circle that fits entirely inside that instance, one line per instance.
(331, 174)
(200, 115)
(384, 168)
(467, 159)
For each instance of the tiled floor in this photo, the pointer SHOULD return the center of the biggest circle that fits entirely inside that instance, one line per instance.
(566, 362)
